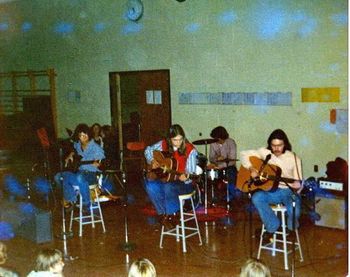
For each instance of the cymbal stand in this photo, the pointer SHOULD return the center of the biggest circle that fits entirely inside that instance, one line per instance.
(206, 187)
(206, 182)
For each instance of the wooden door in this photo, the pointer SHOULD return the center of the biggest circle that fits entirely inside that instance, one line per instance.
(140, 105)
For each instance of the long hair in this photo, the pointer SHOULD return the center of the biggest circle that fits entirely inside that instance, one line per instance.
(142, 268)
(255, 268)
(47, 258)
(174, 131)
(219, 133)
(281, 135)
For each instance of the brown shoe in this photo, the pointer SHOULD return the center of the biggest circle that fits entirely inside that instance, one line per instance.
(167, 222)
(68, 205)
(267, 238)
(174, 219)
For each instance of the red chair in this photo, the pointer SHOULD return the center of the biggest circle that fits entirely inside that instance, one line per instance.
(135, 153)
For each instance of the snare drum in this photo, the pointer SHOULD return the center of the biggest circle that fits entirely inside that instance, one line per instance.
(213, 174)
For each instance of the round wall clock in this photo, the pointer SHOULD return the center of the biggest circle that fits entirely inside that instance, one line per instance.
(134, 9)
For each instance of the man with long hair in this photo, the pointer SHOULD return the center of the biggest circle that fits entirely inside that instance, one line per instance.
(164, 194)
(278, 152)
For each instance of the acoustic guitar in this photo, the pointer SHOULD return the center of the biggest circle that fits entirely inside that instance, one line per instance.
(268, 179)
(77, 162)
(168, 170)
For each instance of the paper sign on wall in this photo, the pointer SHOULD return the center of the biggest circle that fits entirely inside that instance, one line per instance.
(154, 97)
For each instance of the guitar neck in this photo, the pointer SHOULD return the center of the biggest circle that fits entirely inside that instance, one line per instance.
(280, 179)
(167, 170)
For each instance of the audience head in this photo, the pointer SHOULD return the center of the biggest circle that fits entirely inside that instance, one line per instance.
(96, 129)
(3, 253)
(107, 131)
(49, 260)
(142, 268)
(255, 268)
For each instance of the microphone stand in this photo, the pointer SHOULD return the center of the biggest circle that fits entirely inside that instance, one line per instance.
(66, 256)
(126, 245)
(294, 195)
(250, 218)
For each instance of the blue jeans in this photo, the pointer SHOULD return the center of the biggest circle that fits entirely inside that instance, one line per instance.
(81, 179)
(165, 196)
(262, 201)
(231, 176)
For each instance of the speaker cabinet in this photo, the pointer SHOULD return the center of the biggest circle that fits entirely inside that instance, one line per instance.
(332, 211)
(37, 228)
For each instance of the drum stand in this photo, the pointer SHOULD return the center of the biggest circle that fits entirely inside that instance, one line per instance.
(206, 188)
(225, 174)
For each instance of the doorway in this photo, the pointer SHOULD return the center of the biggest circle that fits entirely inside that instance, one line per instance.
(140, 105)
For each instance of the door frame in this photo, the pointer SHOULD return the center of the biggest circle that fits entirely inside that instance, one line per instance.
(116, 98)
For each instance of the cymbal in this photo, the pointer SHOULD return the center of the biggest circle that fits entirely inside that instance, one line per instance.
(204, 141)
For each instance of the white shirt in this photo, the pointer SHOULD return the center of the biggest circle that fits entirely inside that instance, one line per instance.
(289, 163)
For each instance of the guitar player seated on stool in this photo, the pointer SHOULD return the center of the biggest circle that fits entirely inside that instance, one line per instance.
(91, 155)
(164, 193)
(279, 153)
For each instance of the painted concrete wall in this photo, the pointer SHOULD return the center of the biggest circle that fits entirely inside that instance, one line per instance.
(209, 46)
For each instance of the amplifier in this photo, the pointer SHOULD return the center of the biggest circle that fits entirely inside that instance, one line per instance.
(37, 228)
(332, 210)
(325, 184)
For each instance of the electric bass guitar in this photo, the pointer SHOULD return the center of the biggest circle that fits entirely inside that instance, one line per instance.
(268, 179)
(168, 169)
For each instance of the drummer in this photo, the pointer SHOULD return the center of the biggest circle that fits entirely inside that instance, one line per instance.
(223, 155)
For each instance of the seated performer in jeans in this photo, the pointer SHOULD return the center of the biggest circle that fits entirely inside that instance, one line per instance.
(91, 155)
(164, 194)
(278, 152)
(223, 155)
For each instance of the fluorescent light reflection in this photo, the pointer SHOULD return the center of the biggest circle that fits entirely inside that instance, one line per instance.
(64, 28)
(192, 28)
(27, 26)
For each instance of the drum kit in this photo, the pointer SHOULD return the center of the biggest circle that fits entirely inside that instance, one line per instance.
(210, 173)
